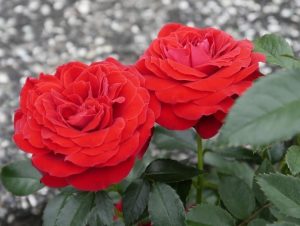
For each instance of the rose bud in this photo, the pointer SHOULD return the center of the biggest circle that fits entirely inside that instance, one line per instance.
(194, 76)
(85, 125)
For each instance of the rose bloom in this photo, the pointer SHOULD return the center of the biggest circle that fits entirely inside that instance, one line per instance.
(85, 125)
(194, 76)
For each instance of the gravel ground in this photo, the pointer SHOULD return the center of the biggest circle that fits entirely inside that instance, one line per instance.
(38, 35)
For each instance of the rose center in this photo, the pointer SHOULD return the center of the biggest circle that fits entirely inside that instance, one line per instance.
(94, 113)
(191, 52)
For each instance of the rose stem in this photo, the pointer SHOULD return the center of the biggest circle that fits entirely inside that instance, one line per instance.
(200, 167)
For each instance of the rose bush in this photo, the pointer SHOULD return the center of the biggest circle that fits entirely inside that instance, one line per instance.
(195, 74)
(85, 125)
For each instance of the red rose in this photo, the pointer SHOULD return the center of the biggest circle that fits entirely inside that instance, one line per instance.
(194, 76)
(85, 125)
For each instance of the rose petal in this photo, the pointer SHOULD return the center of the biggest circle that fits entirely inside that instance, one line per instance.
(96, 179)
(171, 121)
(146, 132)
(57, 139)
(97, 138)
(67, 73)
(54, 182)
(153, 65)
(23, 144)
(33, 137)
(69, 132)
(55, 165)
(106, 147)
(244, 73)
(168, 28)
(27, 92)
(116, 77)
(126, 149)
(86, 160)
(79, 88)
(208, 126)
(130, 128)
(57, 149)
(191, 111)
(219, 96)
(95, 122)
(175, 74)
(258, 57)
(154, 105)
(130, 109)
(186, 70)
(182, 94)
(156, 83)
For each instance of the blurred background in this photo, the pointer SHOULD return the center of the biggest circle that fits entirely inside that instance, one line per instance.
(38, 35)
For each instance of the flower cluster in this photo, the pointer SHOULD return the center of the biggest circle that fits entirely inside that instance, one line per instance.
(86, 124)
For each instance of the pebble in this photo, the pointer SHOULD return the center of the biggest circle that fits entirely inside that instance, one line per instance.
(4, 78)
(183, 5)
(45, 10)
(33, 5)
(32, 200)
(83, 7)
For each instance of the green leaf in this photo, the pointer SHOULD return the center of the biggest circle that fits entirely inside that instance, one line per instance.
(293, 159)
(169, 171)
(283, 191)
(238, 153)
(182, 188)
(172, 139)
(276, 151)
(265, 167)
(277, 51)
(165, 207)
(258, 222)
(210, 215)
(230, 167)
(135, 200)
(76, 210)
(139, 167)
(117, 223)
(237, 197)
(103, 212)
(68, 190)
(21, 178)
(282, 224)
(96, 222)
(281, 217)
(53, 209)
(274, 98)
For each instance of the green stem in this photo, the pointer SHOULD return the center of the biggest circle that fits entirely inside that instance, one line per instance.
(254, 214)
(200, 178)
(211, 186)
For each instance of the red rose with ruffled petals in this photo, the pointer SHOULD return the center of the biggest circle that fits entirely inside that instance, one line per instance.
(85, 125)
(194, 76)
